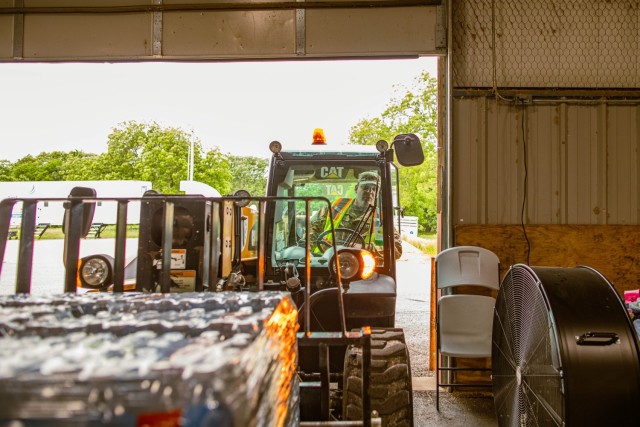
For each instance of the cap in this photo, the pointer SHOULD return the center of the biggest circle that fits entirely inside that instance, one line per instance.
(368, 178)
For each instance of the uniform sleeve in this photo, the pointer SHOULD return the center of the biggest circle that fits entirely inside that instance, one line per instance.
(317, 225)
(397, 243)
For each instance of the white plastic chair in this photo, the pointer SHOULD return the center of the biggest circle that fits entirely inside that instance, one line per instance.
(464, 322)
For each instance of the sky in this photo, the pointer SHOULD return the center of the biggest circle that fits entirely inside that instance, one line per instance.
(238, 107)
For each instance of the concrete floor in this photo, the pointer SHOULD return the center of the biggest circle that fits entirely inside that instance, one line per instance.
(460, 408)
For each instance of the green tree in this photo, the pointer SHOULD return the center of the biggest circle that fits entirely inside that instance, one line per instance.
(51, 166)
(81, 166)
(124, 150)
(214, 169)
(414, 112)
(5, 170)
(249, 173)
(148, 152)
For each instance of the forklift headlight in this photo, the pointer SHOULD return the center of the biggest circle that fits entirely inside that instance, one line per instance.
(96, 271)
(355, 264)
(349, 265)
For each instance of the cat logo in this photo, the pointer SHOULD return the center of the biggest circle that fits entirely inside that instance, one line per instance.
(335, 190)
(331, 171)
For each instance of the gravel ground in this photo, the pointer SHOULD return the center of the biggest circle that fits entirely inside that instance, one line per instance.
(413, 306)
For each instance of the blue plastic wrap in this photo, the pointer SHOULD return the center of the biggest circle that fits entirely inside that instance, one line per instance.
(194, 359)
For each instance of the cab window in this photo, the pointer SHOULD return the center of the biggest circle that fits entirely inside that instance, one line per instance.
(354, 207)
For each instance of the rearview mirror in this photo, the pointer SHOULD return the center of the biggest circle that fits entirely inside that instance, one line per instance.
(408, 149)
(88, 209)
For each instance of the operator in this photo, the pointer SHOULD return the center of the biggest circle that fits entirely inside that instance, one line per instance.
(347, 213)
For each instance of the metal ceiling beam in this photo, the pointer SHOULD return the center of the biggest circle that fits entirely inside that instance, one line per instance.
(354, 4)
(18, 32)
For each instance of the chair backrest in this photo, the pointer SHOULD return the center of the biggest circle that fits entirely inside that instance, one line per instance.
(465, 325)
(467, 265)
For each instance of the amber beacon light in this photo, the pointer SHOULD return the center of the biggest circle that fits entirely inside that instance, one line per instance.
(318, 137)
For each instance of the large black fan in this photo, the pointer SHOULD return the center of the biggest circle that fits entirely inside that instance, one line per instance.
(564, 350)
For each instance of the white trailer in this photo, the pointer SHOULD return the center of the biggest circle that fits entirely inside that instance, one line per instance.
(52, 212)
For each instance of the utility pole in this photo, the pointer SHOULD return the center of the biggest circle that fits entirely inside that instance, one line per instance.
(190, 162)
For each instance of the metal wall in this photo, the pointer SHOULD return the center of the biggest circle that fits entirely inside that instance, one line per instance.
(545, 112)
(546, 43)
(580, 165)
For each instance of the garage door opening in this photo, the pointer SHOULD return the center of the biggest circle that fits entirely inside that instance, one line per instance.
(235, 108)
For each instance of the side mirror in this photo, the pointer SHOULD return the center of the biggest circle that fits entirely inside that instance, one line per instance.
(242, 202)
(408, 149)
(88, 209)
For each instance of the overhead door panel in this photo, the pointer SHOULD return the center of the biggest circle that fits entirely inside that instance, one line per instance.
(6, 36)
(397, 31)
(141, 30)
(86, 37)
(228, 34)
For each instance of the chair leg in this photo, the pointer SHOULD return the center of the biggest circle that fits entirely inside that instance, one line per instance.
(437, 380)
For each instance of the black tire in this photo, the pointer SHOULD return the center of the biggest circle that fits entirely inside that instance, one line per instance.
(390, 381)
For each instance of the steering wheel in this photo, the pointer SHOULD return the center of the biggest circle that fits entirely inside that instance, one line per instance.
(341, 235)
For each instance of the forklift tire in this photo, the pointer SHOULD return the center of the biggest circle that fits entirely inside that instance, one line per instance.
(390, 386)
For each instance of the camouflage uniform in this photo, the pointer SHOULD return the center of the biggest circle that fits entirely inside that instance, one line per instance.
(350, 219)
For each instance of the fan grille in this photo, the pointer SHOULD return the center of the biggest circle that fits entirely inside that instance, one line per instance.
(527, 376)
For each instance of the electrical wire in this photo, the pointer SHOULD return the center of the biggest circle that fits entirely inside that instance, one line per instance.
(512, 100)
(496, 93)
(526, 173)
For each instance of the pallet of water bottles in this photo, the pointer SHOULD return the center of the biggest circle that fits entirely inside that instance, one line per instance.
(191, 359)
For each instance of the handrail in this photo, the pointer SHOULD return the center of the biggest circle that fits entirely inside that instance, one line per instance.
(74, 228)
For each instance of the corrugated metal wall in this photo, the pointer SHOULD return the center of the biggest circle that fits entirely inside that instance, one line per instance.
(581, 163)
(560, 77)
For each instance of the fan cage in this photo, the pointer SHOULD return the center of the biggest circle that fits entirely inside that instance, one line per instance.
(527, 371)
(564, 350)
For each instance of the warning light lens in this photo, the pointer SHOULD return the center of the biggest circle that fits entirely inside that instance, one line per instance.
(368, 264)
(318, 137)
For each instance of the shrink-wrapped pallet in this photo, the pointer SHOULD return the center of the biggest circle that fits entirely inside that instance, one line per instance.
(195, 359)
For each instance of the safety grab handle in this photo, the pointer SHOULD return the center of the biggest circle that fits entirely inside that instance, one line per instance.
(598, 338)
